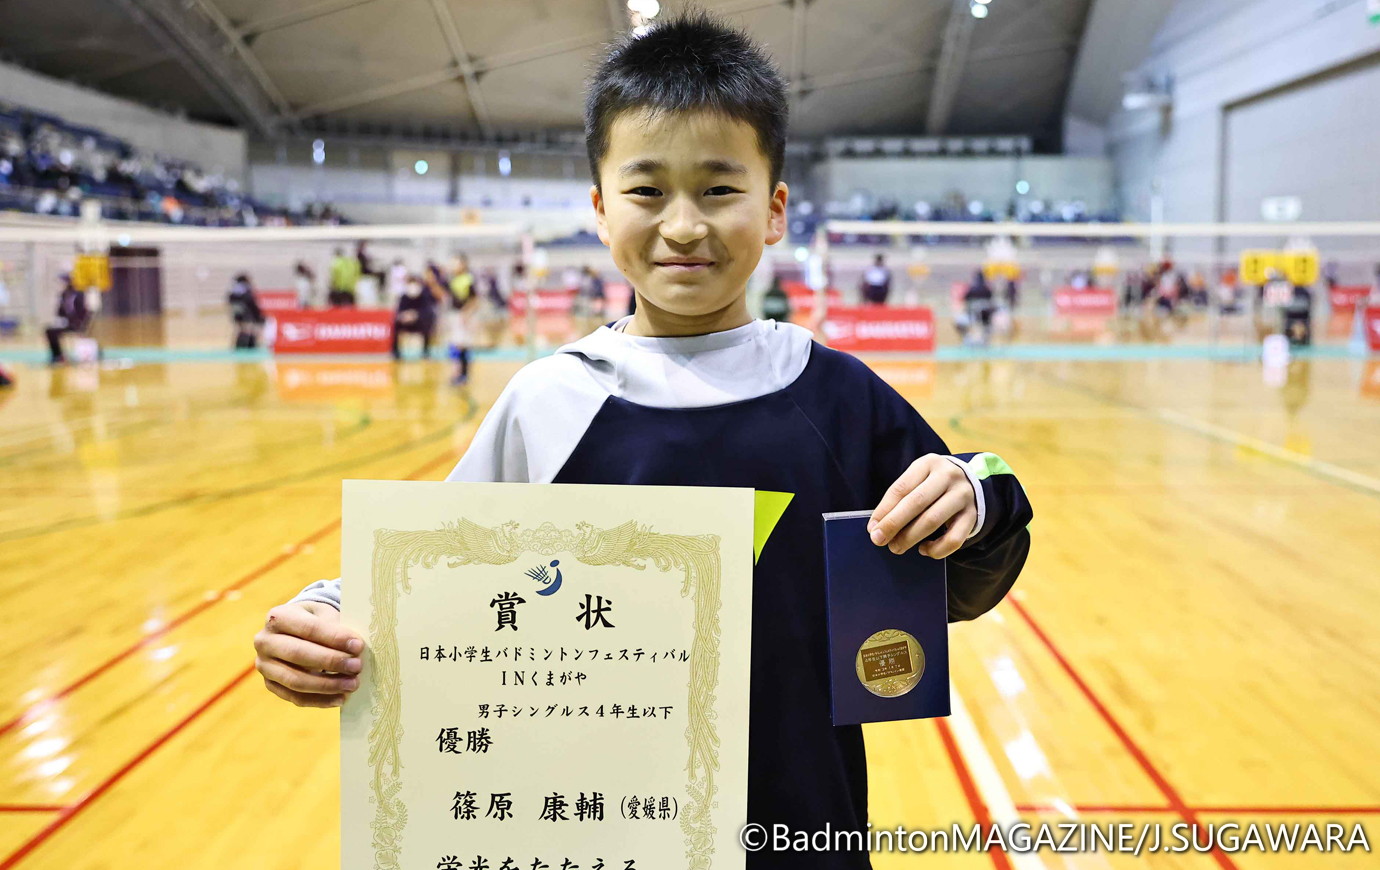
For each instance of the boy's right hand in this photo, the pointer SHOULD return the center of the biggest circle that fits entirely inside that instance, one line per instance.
(306, 656)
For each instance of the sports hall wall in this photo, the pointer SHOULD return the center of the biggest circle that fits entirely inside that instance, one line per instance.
(1258, 85)
(211, 147)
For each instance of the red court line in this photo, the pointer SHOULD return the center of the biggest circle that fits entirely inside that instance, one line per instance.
(42, 706)
(30, 808)
(71, 812)
(970, 791)
(1176, 801)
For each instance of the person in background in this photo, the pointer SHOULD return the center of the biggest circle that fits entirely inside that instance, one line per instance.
(1297, 316)
(1330, 273)
(344, 276)
(493, 292)
(589, 300)
(978, 300)
(461, 336)
(416, 312)
(244, 309)
(776, 305)
(305, 281)
(876, 282)
(397, 281)
(72, 316)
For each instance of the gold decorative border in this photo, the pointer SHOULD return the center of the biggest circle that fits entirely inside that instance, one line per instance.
(466, 543)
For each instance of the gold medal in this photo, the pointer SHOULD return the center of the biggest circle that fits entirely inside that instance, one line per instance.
(890, 663)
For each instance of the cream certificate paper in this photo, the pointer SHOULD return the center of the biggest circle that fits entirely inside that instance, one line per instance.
(555, 676)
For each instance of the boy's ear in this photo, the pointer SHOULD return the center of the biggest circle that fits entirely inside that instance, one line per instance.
(776, 220)
(601, 220)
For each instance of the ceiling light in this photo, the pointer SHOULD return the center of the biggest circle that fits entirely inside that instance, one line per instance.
(979, 11)
(421, 166)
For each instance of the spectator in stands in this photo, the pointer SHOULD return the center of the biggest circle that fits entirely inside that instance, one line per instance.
(416, 312)
(305, 280)
(876, 282)
(344, 277)
(244, 309)
(72, 316)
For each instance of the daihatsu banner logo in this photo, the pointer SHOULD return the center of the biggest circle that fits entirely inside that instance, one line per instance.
(334, 331)
(351, 332)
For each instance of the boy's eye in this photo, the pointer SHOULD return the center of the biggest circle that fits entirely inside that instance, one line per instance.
(645, 191)
(721, 190)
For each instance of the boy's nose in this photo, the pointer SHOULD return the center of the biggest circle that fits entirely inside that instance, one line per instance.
(683, 224)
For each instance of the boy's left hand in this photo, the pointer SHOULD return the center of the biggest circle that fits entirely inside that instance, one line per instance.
(932, 492)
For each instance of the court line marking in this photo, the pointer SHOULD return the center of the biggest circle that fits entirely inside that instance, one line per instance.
(989, 787)
(969, 788)
(34, 808)
(38, 708)
(1176, 801)
(212, 496)
(41, 706)
(1283, 454)
(1325, 470)
(74, 810)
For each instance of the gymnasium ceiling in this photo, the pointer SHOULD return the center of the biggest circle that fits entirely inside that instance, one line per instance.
(494, 67)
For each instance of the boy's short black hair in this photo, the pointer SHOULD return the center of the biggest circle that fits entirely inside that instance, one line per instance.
(692, 62)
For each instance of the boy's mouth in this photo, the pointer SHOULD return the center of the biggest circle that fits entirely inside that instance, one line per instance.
(685, 264)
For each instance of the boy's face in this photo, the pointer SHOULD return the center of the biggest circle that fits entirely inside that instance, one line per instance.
(686, 206)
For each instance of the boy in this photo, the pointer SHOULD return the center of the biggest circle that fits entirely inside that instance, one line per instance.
(686, 129)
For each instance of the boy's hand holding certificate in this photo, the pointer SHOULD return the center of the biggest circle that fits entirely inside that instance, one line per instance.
(551, 672)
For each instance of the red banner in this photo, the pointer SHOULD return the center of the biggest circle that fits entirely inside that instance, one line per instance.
(1094, 301)
(1344, 299)
(334, 330)
(273, 301)
(1373, 329)
(879, 328)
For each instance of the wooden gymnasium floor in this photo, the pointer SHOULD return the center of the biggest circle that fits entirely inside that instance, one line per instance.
(1194, 638)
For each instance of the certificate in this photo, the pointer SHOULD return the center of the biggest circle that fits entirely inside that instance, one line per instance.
(555, 676)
